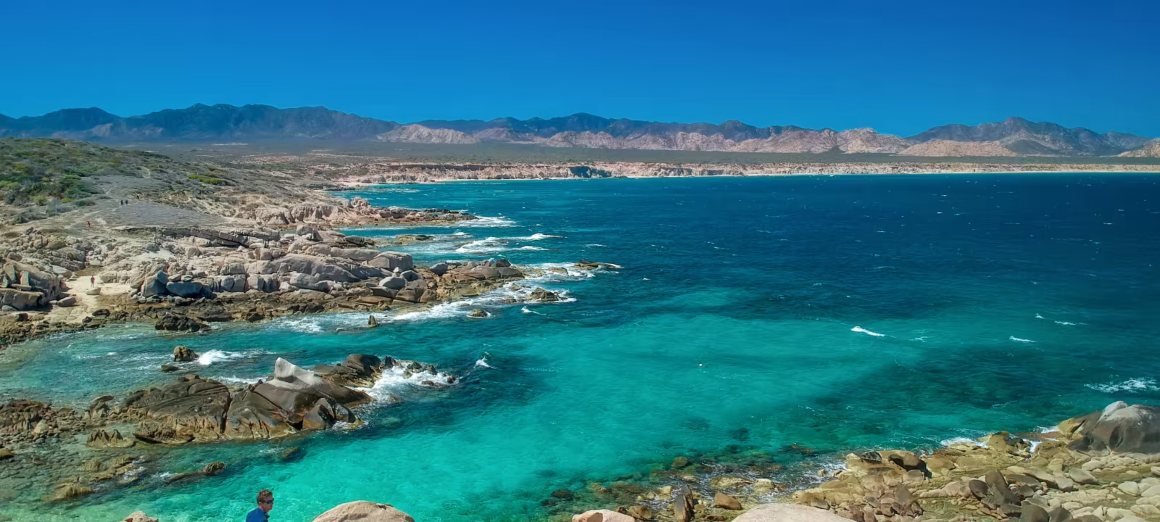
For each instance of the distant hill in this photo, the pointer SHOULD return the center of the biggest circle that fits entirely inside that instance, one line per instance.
(1027, 138)
(1011, 137)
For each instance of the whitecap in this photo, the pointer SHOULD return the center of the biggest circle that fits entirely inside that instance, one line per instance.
(1065, 323)
(238, 380)
(535, 237)
(1140, 384)
(1037, 316)
(486, 222)
(213, 356)
(397, 377)
(859, 329)
(482, 363)
(302, 324)
(1020, 339)
(531, 248)
(483, 246)
(595, 245)
(962, 440)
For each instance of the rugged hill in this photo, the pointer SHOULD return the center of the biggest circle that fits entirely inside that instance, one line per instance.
(1149, 150)
(1027, 138)
(198, 122)
(1012, 137)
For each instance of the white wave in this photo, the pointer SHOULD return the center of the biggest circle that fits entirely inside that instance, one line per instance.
(398, 376)
(213, 356)
(486, 222)
(595, 245)
(308, 324)
(483, 246)
(534, 237)
(482, 363)
(859, 329)
(962, 440)
(439, 311)
(238, 380)
(530, 248)
(1020, 339)
(1037, 316)
(921, 339)
(527, 310)
(558, 272)
(1065, 323)
(1136, 385)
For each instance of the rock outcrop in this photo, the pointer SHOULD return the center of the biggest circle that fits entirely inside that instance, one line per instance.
(194, 409)
(27, 287)
(363, 511)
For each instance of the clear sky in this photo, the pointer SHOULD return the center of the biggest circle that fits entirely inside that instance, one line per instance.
(898, 66)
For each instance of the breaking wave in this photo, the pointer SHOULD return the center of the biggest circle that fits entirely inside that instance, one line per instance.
(1141, 384)
(859, 329)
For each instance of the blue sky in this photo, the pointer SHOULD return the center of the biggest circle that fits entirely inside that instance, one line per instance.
(898, 66)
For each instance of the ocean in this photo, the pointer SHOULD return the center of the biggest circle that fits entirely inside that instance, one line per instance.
(796, 318)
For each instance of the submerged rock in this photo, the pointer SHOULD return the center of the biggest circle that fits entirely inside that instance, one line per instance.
(182, 353)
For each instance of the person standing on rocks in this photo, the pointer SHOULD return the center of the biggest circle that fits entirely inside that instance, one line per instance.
(265, 504)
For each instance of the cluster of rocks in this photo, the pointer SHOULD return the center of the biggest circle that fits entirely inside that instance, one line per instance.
(27, 287)
(36, 438)
(1100, 467)
(1094, 468)
(356, 210)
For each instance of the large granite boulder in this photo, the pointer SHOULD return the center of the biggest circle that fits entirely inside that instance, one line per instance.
(602, 515)
(155, 285)
(363, 511)
(294, 400)
(393, 260)
(1119, 427)
(21, 299)
(788, 513)
(188, 289)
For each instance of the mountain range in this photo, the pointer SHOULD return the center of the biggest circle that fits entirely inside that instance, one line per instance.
(1011, 137)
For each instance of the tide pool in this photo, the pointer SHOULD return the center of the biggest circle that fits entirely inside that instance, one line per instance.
(746, 315)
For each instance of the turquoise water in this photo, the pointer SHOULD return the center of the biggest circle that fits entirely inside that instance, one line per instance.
(837, 313)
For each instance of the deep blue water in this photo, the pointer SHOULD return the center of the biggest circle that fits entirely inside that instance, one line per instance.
(838, 313)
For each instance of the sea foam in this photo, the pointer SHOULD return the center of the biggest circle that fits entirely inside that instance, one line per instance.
(1140, 384)
(859, 329)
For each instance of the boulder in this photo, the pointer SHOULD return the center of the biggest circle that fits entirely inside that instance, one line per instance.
(67, 301)
(544, 296)
(392, 260)
(229, 283)
(21, 299)
(155, 285)
(139, 516)
(294, 400)
(363, 511)
(439, 269)
(724, 501)
(1119, 427)
(187, 289)
(263, 283)
(788, 513)
(602, 515)
(182, 353)
(393, 283)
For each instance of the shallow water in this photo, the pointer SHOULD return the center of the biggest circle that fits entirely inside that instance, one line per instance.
(837, 313)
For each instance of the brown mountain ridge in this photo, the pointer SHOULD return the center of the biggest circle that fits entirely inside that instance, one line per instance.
(1010, 138)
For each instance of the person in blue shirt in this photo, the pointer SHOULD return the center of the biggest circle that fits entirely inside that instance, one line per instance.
(265, 504)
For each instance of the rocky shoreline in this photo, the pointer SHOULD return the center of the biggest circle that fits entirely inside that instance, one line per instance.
(1099, 467)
